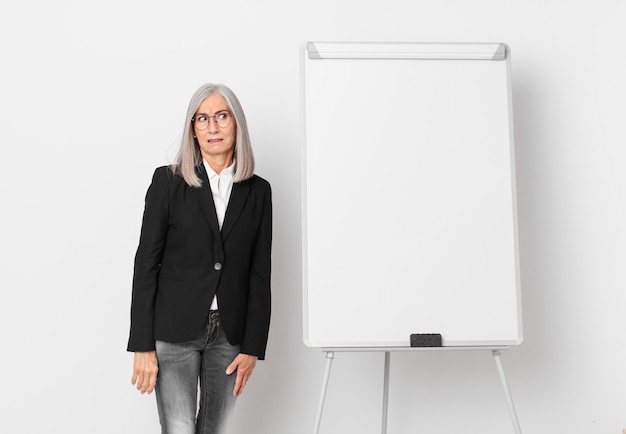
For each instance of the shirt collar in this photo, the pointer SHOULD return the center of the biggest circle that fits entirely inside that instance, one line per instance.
(226, 172)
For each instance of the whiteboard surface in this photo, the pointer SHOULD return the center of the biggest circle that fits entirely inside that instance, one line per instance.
(409, 210)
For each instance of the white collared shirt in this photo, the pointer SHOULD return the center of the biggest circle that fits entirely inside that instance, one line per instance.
(221, 187)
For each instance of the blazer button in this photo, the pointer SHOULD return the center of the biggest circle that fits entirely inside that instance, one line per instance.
(217, 266)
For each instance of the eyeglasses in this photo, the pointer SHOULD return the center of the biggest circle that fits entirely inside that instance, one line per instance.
(222, 119)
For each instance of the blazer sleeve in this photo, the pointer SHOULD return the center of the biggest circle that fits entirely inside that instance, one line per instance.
(259, 297)
(148, 261)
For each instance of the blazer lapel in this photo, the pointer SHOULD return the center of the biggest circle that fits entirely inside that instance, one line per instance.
(237, 200)
(205, 199)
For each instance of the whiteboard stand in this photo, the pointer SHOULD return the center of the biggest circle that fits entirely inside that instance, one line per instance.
(330, 355)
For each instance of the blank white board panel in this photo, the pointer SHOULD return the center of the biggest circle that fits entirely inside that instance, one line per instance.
(409, 205)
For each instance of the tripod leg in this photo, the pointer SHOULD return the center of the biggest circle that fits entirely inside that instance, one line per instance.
(386, 392)
(507, 392)
(330, 355)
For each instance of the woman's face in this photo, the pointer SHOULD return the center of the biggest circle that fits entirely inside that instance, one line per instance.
(215, 142)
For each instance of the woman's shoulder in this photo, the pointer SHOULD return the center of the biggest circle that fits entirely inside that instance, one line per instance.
(164, 169)
(167, 172)
(257, 182)
(164, 178)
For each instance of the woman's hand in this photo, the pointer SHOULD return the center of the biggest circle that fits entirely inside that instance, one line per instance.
(145, 368)
(244, 365)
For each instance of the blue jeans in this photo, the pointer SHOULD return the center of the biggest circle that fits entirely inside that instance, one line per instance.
(180, 366)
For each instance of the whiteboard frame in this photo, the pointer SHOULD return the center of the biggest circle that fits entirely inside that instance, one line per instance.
(405, 50)
(311, 51)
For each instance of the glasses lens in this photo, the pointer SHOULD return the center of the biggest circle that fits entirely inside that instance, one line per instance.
(223, 119)
(201, 122)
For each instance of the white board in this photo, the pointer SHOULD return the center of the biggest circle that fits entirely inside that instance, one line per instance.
(409, 205)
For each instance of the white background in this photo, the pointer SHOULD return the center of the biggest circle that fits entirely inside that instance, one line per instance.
(92, 99)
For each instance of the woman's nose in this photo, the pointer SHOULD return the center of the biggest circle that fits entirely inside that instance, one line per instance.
(212, 124)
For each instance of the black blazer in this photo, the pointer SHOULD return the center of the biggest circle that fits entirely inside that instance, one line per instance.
(183, 260)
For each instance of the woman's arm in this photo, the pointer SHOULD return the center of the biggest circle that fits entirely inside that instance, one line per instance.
(148, 261)
(259, 296)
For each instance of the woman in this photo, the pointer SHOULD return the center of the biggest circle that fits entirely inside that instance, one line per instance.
(201, 287)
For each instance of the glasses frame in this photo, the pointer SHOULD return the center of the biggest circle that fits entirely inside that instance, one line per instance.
(208, 122)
